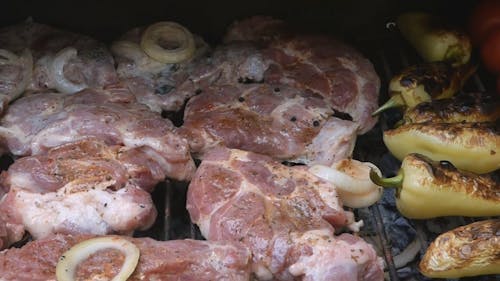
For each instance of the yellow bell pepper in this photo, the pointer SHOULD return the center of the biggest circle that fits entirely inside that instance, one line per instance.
(427, 189)
(466, 107)
(469, 146)
(425, 82)
(433, 39)
(469, 250)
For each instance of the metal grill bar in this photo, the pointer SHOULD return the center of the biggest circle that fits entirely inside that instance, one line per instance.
(386, 248)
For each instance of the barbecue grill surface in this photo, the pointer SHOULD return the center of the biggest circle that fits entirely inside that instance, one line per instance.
(365, 24)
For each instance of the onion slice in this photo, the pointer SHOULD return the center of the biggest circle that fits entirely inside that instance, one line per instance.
(68, 263)
(141, 60)
(352, 179)
(172, 32)
(62, 84)
(408, 254)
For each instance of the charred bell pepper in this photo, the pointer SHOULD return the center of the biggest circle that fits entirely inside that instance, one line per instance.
(427, 189)
(469, 250)
(470, 146)
(466, 107)
(425, 82)
(433, 39)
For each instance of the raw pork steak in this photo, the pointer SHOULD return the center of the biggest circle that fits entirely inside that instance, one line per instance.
(175, 260)
(83, 187)
(155, 84)
(279, 121)
(284, 215)
(38, 57)
(36, 123)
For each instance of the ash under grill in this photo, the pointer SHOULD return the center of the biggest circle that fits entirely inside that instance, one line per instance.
(385, 228)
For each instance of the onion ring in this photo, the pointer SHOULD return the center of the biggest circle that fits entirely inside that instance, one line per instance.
(141, 60)
(68, 263)
(62, 84)
(408, 254)
(168, 31)
(352, 179)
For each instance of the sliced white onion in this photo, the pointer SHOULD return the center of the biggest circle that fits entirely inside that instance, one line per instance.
(62, 84)
(352, 179)
(171, 32)
(408, 254)
(69, 261)
(133, 51)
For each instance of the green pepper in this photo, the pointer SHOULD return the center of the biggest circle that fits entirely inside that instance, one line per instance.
(428, 189)
(433, 39)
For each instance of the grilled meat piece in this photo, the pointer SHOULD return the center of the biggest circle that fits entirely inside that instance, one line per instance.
(328, 68)
(315, 64)
(35, 123)
(152, 82)
(61, 60)
(284, 215)
(336, 72)
(279, 121)
(160, 260)
(82, 187)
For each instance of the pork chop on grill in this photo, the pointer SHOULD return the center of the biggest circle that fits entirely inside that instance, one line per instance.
(38, 57)
(154, 83)
(36, 123)
(313, 95)
(316, 64)
(83, 187)
(276, 120)
(285, 215)
(172, 260)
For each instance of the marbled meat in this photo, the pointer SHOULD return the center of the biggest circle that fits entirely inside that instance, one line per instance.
(284, 215)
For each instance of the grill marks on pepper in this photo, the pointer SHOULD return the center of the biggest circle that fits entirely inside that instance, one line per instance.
(444, 174)
(434, 81)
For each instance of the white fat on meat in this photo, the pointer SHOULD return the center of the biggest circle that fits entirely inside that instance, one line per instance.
(285, 215)
(80, 187)
(92, 211)
(83, 211)
(345, 257)
(334, 142)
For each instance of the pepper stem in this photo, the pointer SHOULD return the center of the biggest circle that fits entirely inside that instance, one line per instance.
(396, 181)
(394, 101)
